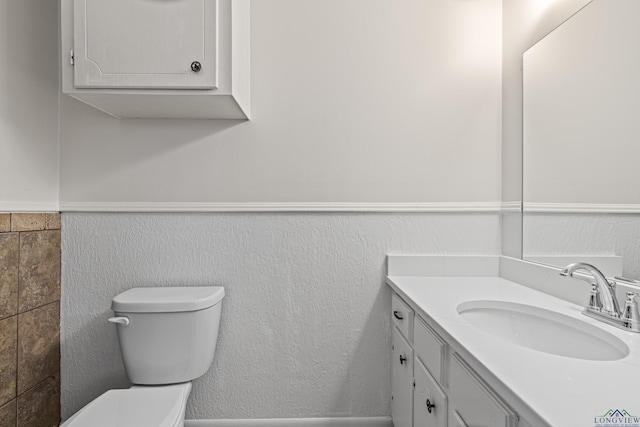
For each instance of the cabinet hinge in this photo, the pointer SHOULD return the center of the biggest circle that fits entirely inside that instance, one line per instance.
(71, 58)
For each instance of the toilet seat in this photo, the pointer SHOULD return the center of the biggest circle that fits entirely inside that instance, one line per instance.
(153, 406)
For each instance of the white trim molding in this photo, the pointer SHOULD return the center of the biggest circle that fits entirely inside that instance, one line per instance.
(295, 422)
(282, 207)
(511, 207)
(619, 208)
(29, 207)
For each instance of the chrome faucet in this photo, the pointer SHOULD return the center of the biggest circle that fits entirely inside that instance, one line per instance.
(605, 289)
(603, 304)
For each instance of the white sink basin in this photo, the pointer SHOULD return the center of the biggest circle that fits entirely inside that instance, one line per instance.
(543, 330)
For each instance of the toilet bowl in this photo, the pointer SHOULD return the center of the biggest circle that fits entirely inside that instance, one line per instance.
(167, 339)
(161, 406)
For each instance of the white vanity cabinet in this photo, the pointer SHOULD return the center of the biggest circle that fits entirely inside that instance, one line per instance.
(157, 58)
(432, 385)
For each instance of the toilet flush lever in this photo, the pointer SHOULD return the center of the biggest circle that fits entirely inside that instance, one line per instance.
(122, 320)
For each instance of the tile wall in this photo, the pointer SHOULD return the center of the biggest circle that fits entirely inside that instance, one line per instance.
(29, 319)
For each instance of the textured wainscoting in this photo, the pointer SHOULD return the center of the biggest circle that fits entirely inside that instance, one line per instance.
(584, 233)
(305, 329)
(29, 319)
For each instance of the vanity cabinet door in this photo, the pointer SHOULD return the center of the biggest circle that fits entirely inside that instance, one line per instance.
(145, 44)
(472, 402)
(402, 381)
(429, 401)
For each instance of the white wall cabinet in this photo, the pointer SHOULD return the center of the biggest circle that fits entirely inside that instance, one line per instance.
(145, 44)
(443, 390)
(158, 58)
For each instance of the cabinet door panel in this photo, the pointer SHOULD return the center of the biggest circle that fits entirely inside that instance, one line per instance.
(456, 420)
(433, 413)
(145, 43)
(429, 347)
(402, 381)
(472, 401)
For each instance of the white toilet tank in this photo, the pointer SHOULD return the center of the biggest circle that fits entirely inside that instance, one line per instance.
(167, 335)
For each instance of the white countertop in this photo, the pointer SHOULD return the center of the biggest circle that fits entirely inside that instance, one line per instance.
(557, 390)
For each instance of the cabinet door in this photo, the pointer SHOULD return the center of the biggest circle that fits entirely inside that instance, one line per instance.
(145, 44)
(429, 401)
(472, 402)
(402, 381)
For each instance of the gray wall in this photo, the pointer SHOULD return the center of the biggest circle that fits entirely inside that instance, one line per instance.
(352, 101)
(304, 330)
(29, 105)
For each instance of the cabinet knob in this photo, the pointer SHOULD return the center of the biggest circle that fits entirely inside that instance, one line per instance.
(430, 406)
(196, 66)
(397, 315)
(402, 359)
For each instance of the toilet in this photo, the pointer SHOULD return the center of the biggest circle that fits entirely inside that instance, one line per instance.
(167, 339)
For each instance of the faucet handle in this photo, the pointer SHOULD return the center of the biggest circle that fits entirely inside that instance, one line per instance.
(630, 315)
(595, 301)
(631, 296)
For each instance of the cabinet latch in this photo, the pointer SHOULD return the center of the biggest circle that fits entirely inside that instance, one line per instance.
(71, 58)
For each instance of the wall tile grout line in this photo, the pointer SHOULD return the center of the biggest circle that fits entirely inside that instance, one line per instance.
(17, 321)
(38, 307)
(39, 383)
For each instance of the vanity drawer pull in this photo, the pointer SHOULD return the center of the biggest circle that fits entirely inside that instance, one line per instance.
(430, 406)
(402, 359)
(402, 317)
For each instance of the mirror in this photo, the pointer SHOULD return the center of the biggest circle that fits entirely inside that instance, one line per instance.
(581, 141)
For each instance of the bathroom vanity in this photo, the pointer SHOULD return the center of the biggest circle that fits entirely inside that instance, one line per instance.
(486, 351)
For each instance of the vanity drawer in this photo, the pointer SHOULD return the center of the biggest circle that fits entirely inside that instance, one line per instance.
(429, 347)
(472, 403)
(429, 401)
(402, 317)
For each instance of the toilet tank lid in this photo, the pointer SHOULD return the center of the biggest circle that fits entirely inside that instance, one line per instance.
(167, 299)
